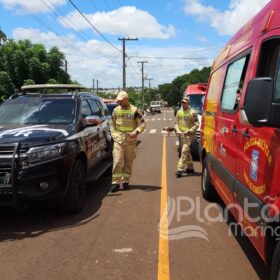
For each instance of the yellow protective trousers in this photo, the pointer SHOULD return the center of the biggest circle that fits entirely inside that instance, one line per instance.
(123, 157)
(185, 160)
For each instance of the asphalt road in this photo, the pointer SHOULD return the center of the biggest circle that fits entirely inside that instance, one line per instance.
(120, 236)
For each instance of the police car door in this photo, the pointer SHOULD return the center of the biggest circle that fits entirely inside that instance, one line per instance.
(90, 135)
(100, 144)
(105, 124)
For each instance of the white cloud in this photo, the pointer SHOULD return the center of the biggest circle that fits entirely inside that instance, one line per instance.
(32, 6)
(201, 38)
(98, 60)
(128, 21)
(227, 22)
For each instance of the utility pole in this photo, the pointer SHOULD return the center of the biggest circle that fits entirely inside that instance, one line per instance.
(65, 65)
(93, 85)
(142, 70)
(124, 55)
(149, 79)
(97, 86)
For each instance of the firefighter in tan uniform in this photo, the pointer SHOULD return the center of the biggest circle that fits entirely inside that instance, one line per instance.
(127, 122)
(186, 125)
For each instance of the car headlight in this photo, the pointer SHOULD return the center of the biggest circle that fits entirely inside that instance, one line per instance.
(42, 153)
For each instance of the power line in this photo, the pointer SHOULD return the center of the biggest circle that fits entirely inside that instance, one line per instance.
(165, 57)
(111, 44)
(133, 69)
(60, 15)
(47, 27)
(110, 8)
(80, 34)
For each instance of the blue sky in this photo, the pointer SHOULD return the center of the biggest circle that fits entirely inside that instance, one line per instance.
(174, 36)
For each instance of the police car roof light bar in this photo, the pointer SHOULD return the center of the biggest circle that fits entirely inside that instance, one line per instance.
(73, 87)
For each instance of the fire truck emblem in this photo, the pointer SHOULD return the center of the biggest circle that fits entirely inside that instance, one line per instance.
(254, 165)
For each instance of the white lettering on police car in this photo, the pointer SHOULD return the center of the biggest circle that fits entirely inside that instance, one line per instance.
(26, 131)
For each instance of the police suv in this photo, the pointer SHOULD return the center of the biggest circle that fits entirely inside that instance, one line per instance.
(51, 144)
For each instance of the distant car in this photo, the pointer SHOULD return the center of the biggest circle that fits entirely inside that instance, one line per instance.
(50, 144)
(155, 107)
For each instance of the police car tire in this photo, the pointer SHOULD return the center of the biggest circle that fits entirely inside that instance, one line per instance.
(275, 264)
(208, 190)
(76, 194)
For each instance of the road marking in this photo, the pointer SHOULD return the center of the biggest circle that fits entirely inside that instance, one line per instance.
(153, 120)
(164, 119)
(163, 251)
(170, 119)
(158, 119)
(153, 131)
(123, 250)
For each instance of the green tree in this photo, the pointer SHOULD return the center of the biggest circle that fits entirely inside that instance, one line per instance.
(6, 85)
(38, 71)
(24, 61)
(55, 59)
(3, 37)
(52, 81)
(173, 92)
(28, 82)
(21, 67)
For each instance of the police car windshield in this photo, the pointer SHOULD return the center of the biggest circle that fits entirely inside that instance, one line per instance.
(196, 102)
(36, 110)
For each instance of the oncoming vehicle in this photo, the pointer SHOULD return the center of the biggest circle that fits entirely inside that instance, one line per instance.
(155, 106)
(240, 132)
(50, 144)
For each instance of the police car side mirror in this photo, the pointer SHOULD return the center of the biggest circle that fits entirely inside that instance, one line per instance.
(258, 101)
(92, 120)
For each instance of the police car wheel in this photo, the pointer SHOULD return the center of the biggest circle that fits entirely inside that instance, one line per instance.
(275, 265)
(75, 197)
(208, 191)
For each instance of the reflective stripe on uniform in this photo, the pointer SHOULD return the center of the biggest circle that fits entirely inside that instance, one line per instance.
(116, 175)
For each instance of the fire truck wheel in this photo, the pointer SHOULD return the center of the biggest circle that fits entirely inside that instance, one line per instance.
(208, 190)
(76, 195)
(275, 264)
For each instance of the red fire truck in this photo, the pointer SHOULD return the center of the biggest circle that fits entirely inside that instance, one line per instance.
(240, 132)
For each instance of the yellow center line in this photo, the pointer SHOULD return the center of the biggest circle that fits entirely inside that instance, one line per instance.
(163, 252)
